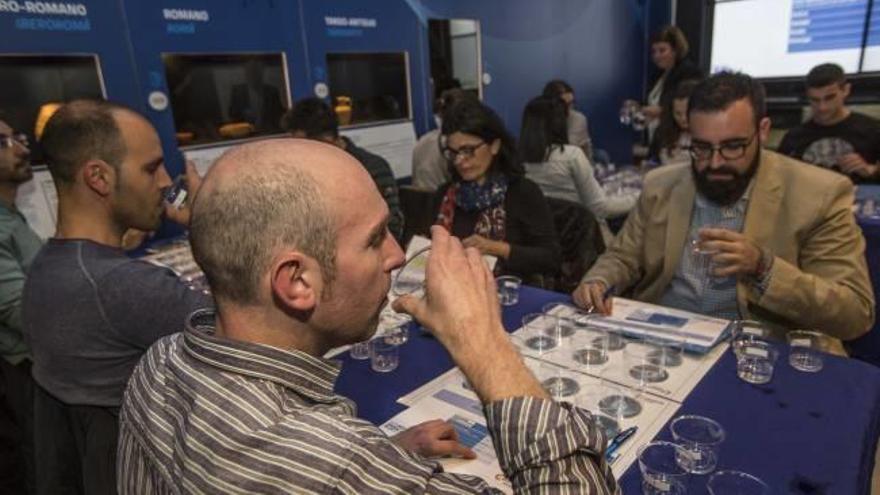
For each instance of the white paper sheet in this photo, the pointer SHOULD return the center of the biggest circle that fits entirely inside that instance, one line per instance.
(683, 373)
(449, 395)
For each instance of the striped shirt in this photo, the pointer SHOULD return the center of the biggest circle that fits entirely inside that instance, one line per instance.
(210, 415)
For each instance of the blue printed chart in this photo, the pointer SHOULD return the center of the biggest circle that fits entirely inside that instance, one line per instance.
(818, 25)
(871, 60)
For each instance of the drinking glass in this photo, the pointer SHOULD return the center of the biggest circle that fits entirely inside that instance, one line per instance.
(736, 483)
(410, 278)
(508, 289)
(540, 334)
(700, 438)
(755, 362)
(360, 350)
(384, 355)
(807, 348)
(661, 474)
(746, 331)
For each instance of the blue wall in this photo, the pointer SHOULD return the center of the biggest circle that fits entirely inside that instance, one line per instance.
(599, 46)
(102, 31)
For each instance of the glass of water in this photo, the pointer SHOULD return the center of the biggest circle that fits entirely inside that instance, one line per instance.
(755, 362)
(700, 438)
(395, 327)
(807, 348)
(736, 483)
(360, 350)
(508, 289)
(540, 335)
(661, 474)
(410, 278)
(384, 355)
(645, 366)
(746, 331)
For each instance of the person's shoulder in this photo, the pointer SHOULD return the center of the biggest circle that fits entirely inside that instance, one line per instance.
(666, 177)
(365, 156)
(800, 129)
(9, 222)
(429, 141)
(158, 355)
(431, 136)
(800, 176)
(863, 120)
(687, 69)
(566, 153)
(521, 185)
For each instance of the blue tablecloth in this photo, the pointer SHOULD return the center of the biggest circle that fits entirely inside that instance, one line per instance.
(867, 347)
(802, 433)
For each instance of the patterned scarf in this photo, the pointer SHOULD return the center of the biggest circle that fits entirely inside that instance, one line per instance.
(488, 199)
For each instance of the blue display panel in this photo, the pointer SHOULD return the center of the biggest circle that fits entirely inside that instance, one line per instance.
(817, 25)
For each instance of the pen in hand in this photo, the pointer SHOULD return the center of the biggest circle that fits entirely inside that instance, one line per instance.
(605, 295)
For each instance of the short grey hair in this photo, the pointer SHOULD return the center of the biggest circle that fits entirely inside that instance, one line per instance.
(239, 226)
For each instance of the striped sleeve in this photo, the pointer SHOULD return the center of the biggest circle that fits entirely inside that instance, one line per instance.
(548, 447)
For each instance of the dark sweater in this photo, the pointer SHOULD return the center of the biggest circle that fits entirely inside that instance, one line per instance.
(380, 171)
(90, 313)
(823, 144)
(529, 229)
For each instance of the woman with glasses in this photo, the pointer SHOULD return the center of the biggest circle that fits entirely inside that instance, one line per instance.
(489, 204)
(560, 169)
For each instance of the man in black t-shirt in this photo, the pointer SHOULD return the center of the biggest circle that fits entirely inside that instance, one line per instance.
(835, 137)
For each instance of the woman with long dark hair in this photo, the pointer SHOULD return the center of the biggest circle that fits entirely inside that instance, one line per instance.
(560, 169)
(673, 138)
(489, 204)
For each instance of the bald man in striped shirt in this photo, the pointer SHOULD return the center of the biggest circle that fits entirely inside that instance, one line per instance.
(293, 238)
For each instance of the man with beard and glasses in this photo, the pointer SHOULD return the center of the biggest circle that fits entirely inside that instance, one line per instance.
(18, 246)
(89, 310)
(781, 240)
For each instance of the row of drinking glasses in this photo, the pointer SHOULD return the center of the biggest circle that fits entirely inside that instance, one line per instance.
(626, 367)
(665, 466)
(756, 353)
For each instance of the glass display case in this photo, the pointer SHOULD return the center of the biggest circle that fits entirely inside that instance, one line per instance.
(369, 87)
(33, 86)
(220, 97)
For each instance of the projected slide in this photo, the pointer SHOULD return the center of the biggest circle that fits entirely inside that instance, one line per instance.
(872, 47)
(780, 38)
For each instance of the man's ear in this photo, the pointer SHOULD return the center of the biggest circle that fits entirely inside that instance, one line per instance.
(764, 129)
(297, 281)
(99, 176)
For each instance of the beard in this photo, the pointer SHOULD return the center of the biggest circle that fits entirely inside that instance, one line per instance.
(725, 192)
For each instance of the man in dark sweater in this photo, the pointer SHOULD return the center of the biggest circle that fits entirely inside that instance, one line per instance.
(835, 137)
(312, 118)
(89, 311)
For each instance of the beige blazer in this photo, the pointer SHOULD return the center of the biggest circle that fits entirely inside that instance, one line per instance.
(801, 213)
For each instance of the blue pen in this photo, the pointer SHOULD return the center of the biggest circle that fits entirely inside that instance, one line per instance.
(608, 293)
(618, 441)
(605, 295)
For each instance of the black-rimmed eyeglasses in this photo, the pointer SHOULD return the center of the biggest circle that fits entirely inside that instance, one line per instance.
(466, 151)
(729, 150)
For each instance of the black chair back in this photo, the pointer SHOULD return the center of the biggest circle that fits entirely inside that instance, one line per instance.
(580, 239)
